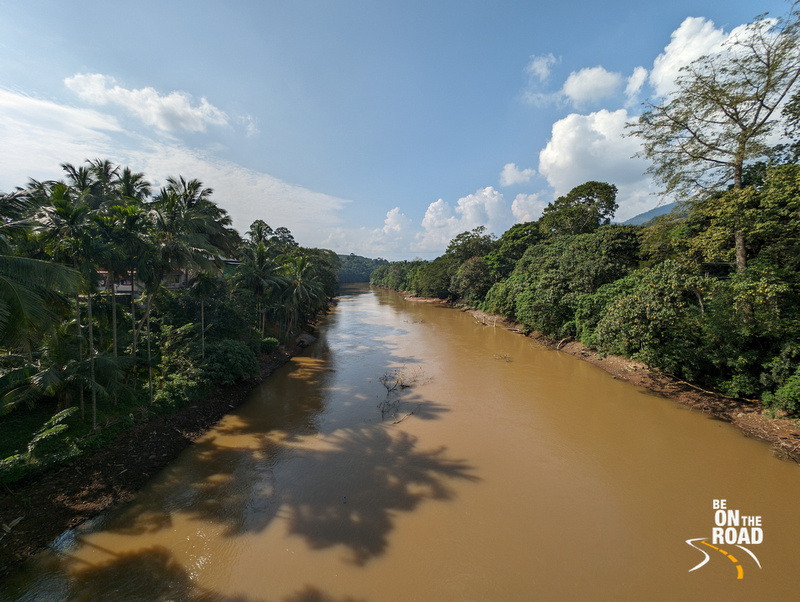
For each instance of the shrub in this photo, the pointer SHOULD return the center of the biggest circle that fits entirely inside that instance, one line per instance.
(787, 397)
(227, 361)
(269, 344)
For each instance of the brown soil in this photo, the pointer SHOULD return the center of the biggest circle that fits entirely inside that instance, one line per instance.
(749, 415)
(65, 497)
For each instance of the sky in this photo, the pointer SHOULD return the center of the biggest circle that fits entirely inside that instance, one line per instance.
(380, 128)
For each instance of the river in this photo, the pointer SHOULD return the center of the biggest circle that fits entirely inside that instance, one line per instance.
(413, 454)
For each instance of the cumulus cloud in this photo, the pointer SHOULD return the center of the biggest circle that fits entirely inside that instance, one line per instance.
(528, 207)
(175, 111)
(592, 147)
(590, 85)
(635, 83)
(388, 241)
(695, 37)
(485, 207)
(511, 175)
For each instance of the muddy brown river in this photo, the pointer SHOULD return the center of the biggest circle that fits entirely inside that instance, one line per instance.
(413, 454)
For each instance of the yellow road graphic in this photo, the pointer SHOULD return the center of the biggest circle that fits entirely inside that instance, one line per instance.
(739, 569)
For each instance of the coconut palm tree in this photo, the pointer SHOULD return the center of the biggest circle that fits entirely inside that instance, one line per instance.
(262, 276)
(303, 294)
(27, 286)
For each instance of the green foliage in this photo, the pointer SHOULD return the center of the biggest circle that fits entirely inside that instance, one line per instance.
(472, 280)
(432, 279)
(591, 307)
(501, 298)
(783, 376)
(723, 109)
(268, 345)
(355, 268)
(14, 467)
(651, 322)
(510, 247)
(583, 209)
(561, 269)
(66, 341)
(470, 244)
(228, 361)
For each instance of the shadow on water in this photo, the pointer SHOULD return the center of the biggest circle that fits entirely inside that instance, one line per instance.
(147, 574)
(342, 494)
(152, 573)
(338, 487)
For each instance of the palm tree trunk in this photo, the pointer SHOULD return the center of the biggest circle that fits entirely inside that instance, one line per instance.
(133, 316)
(91, 361)
(203, 327)
(145, 317)
(80, 349)
(113, 311)
(149, 362)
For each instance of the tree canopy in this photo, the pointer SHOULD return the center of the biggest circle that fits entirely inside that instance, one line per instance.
(722, 112)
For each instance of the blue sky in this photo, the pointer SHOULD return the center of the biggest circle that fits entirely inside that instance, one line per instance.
(382, 128)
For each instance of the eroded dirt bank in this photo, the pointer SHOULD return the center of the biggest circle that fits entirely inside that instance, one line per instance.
(65, 497)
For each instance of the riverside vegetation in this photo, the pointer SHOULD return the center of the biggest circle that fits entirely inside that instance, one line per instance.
(709, 293)
(83, 361)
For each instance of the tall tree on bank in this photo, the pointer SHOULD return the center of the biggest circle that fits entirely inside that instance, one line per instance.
(724, 108)
(582, 210)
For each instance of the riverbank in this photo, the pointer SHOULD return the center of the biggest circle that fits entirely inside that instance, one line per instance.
(64, 498)
(748, 415)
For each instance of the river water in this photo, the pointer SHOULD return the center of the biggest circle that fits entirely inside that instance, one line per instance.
(413, 454)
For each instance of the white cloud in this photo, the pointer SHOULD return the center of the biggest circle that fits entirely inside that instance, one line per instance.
(635, 83)
(590, 85)
(538, 71)
(592, 147)
(46, 134)
(250, 125)
(511, 175)
(175, 111)
(388, 241)
(485, 207)
(539, 66)
(246, 194)
(395, 222)
(695, 37)
(528, 207)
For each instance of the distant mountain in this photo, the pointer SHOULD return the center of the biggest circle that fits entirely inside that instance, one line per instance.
(645, 217)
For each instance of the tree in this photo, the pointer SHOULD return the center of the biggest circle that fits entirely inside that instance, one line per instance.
(582, 210)
(260, 274)
(204, 286)
(26, 285)
(791, 113)
(724, 108)
(303, 293)
(510, 247)
(470, 244)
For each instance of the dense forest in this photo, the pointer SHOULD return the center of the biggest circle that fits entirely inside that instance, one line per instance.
(354, 268)
(710, 292)
(117, 304)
